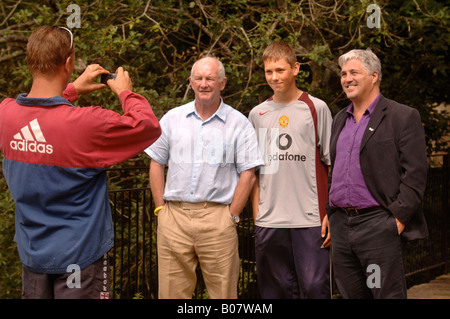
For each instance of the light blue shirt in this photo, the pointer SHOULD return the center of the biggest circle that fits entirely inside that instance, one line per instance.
(205, 158)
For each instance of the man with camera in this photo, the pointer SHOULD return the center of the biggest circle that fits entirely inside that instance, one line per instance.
(55, 161)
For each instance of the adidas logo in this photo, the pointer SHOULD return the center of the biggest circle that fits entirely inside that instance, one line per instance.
(31, 139)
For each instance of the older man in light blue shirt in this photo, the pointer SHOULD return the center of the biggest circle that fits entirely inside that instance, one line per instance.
(212, 152)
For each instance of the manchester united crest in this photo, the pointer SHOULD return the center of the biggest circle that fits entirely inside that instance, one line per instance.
(283, 121)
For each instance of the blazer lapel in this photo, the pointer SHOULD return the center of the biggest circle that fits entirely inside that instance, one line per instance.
(375, 120)
(338, 125)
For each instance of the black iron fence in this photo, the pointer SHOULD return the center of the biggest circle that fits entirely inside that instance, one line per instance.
(134, 256)
(134, 265)
(433, 252)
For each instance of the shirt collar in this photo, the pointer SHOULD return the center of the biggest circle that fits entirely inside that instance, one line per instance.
(369, 109)
(220, 113)
(23, 99)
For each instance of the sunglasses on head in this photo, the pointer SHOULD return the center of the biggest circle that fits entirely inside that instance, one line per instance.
(71, 36)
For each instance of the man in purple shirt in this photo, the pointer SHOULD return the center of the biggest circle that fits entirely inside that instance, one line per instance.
(349, 188)
(379, 172)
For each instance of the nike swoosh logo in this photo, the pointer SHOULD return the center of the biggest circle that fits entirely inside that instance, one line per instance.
(262, 113)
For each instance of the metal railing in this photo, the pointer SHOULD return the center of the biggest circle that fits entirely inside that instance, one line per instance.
(134, 256)
(134, 261)
(434, 251)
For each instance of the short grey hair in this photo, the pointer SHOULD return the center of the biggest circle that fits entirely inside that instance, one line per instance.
(219, 64)
(368, 59)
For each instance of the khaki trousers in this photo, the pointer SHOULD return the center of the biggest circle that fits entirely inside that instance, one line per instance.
(192, 233)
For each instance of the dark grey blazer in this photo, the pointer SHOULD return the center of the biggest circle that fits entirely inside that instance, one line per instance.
(393, 162)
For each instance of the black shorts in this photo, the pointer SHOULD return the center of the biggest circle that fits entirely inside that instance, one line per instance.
(92, 282)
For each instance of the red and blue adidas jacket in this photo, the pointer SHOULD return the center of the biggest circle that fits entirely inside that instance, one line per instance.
(55, 160)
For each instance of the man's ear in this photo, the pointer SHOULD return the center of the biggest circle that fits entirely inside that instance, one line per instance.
(69, 65)
(375, 77)
(296, 68)
(224, 82)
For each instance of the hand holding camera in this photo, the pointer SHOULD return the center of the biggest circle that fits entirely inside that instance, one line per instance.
(121, 82)
(118, 82)
(85, 83)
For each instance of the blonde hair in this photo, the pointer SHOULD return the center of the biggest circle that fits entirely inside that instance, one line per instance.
(280, 50)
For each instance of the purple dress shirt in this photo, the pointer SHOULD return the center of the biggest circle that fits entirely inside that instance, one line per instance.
(348, 188)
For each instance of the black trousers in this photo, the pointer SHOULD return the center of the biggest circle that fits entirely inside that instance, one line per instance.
(367, 255)
(291, 264)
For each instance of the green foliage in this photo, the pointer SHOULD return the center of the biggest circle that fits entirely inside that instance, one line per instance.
(158, 41)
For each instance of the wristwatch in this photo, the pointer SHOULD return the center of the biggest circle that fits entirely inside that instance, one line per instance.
(235, 218)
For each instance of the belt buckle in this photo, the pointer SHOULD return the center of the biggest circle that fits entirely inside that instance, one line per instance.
(351, 211)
